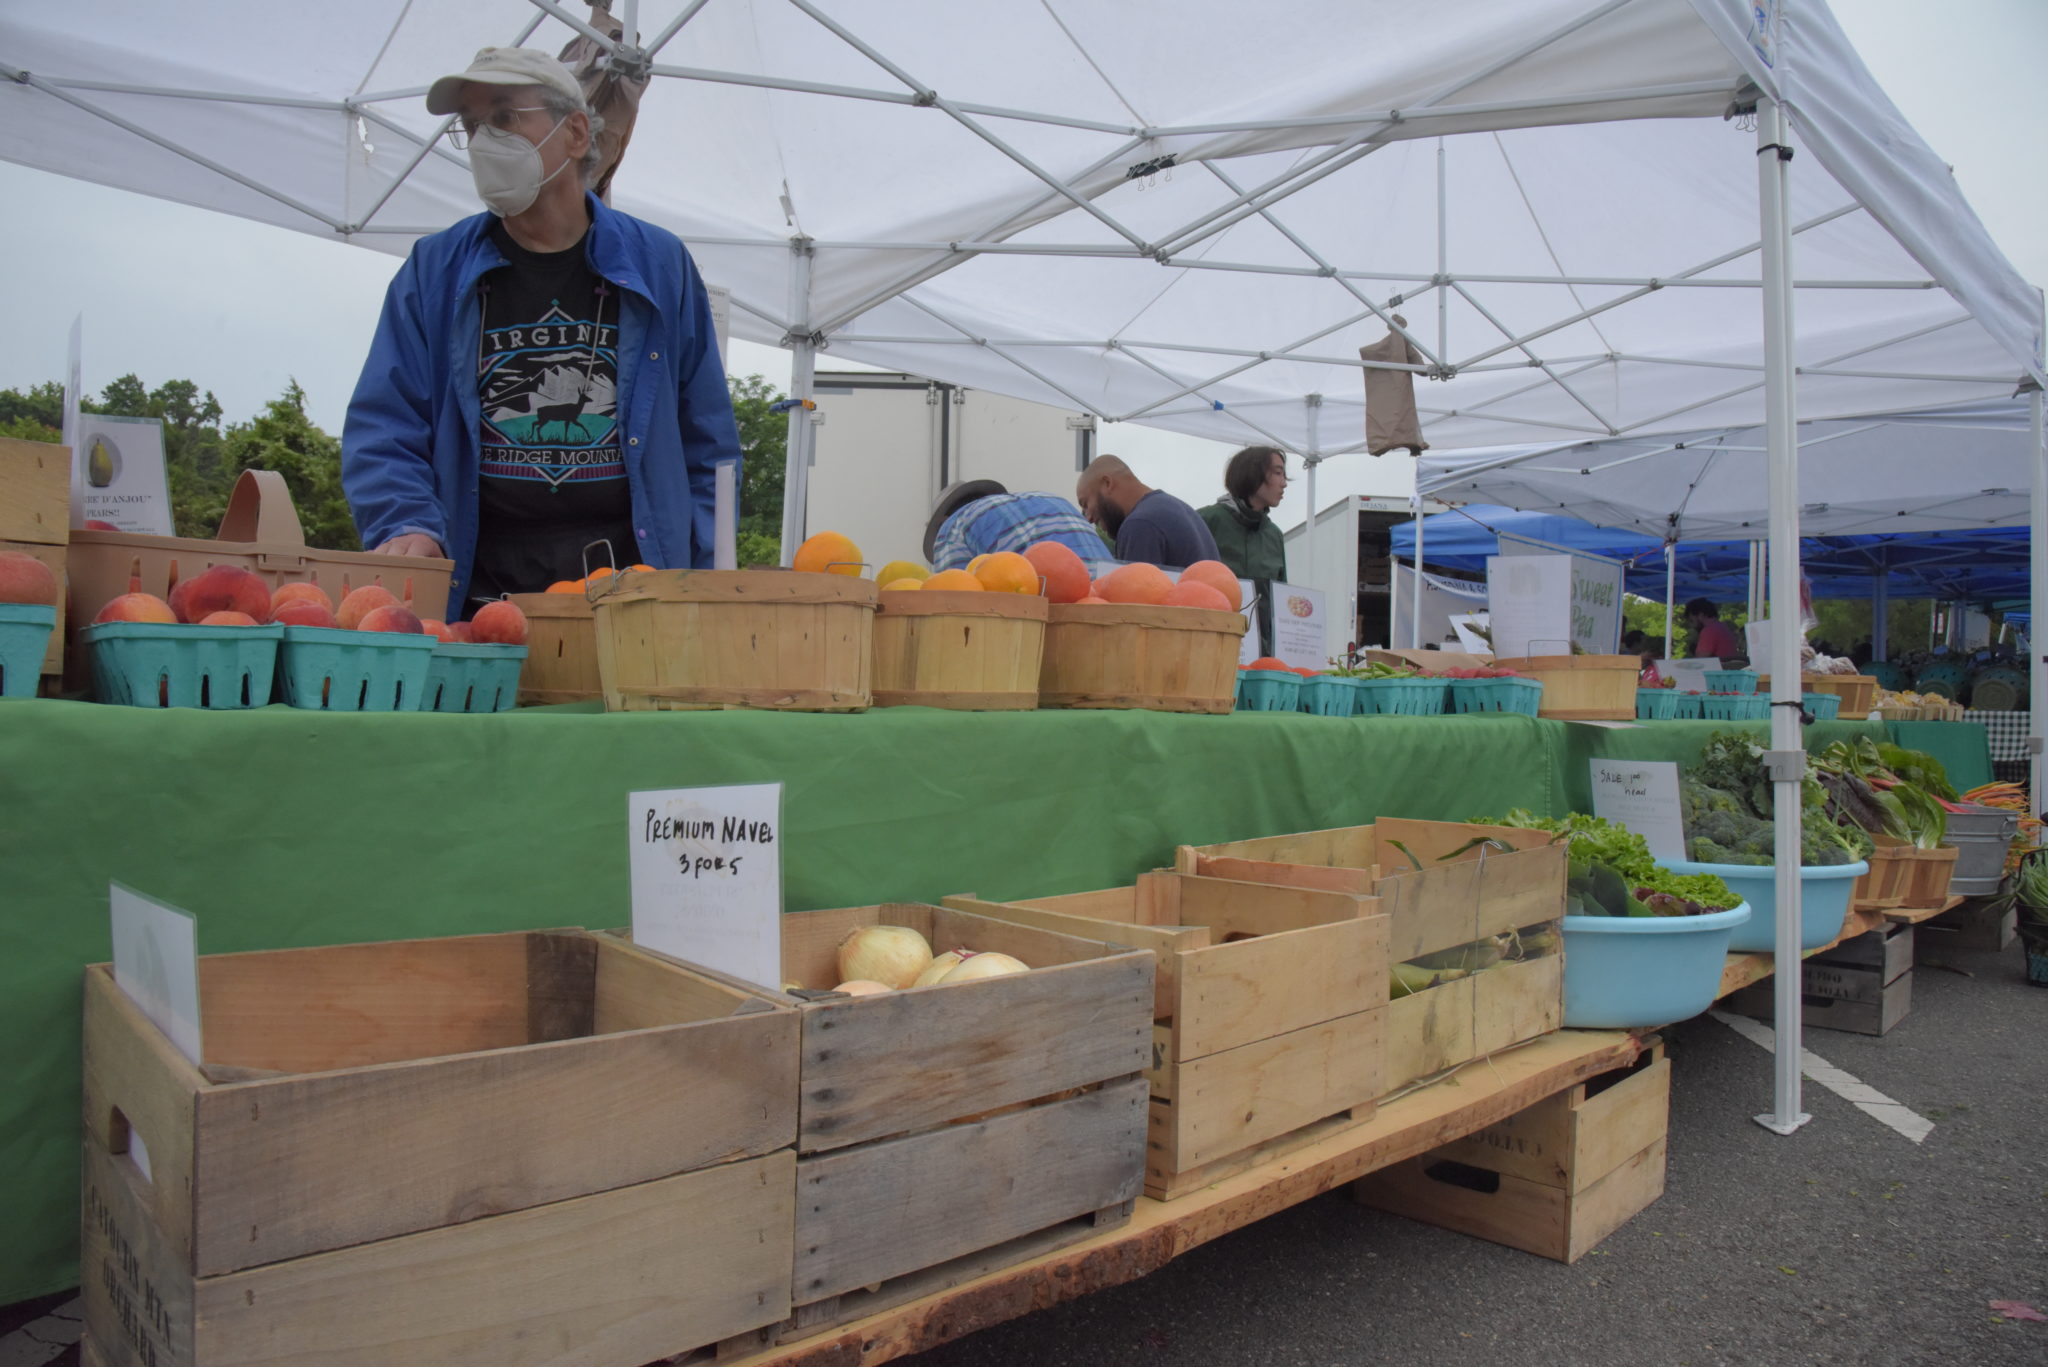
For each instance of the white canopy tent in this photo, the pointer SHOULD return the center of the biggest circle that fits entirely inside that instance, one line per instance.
(1188, 215)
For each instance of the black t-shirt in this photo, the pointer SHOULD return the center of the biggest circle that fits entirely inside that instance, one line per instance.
(552, 478)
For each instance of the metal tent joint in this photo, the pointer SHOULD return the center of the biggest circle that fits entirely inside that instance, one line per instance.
(630, 63)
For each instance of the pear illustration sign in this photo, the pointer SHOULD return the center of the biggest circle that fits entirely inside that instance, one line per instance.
(117, 476)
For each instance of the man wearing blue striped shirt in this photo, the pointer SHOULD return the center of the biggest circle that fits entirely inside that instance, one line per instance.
(977, 516)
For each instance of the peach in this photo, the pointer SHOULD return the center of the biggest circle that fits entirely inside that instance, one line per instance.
(361, 603)
(1090, 599)
(136, 607)
(1190, 593)
(224, 588)
(440, 631)
(1137, 583)
(25, 579)
(303, 591)
(391, 617)
(460, 634)
(228, 619)
(500, 623)
(1219, 577)
(303, 612)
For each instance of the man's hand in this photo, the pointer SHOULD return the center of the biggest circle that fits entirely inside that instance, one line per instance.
(413, 543)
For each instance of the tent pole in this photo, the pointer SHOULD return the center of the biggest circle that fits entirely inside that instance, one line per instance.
(1786, 760)
(1670, 597)
(1309, 463)
(2037, 674)
(1415, 587)
(803, 350)
(1881, 608)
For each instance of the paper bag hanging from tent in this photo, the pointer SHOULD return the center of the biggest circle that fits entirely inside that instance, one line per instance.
(613, 97)
(1390, 418)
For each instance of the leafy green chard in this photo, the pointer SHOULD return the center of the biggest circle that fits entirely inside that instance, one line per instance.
(1728, 800)
(1611, 872)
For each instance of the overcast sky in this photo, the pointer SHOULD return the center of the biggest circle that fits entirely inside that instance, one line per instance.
(173, 292)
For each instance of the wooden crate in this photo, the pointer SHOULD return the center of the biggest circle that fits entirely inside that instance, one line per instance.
(1553, 1180)
(1581, 687)
(910, 1104)
(1270, 1014)
(1456, 898)
(561, 649)
(1134, 655)
(35, 492)
(1836, 998)
(695, 640)
(1890, 879)
(467, 1150)
(56, 557)
(1975, 925)
(972, 652)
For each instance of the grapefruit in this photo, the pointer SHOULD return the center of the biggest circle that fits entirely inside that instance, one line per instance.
(904, 583)
(828, 553)
(1217, 576)
(1007, 572)
(1195, 594)
(1134, 584)
(1065, 573)
(901, 569)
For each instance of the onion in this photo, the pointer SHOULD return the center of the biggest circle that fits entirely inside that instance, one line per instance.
(862, 987)
(890, 955)
(940, 966)
(986, 966)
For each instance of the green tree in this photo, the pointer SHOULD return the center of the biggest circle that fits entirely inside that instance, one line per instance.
(764, 446)
(28, 414)
(284, 439)
(195, 463)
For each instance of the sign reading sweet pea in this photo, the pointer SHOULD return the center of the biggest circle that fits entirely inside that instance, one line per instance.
(1643, 796)
(706, 867)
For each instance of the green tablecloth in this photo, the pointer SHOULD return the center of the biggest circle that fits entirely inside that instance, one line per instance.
(1964, 748)
(284, 828)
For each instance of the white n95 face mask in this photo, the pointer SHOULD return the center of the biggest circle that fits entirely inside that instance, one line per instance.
(507, 169)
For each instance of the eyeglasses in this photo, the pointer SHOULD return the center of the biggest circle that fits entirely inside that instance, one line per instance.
(505, 120)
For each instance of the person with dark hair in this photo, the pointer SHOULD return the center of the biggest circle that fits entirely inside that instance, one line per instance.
(1148, 525)
(1715, 639)
(976, 516)
(1247, 538)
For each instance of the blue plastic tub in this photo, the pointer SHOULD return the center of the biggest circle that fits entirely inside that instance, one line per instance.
(173, 664)
(1268, 690)
(1330, 695)
(24, 640)
(1621, 972)
(1658, 704)
(1522, 696)
(1735, 707)
(1824, 892)
(1821, 706)
(1731, 680)
(473, 678)
(1401, 697)
(334, 670)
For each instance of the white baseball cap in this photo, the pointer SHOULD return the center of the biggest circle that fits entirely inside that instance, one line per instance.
(503, 66)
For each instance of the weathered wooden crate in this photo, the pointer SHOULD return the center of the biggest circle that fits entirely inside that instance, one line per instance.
(471, 1150)
(1837, 998)
(971, 652)
(944, 1131)
(695, 640)
(1975, 925)
(1270, 1015)
(1133, 655)
(1553, 1180)
(561, 649)
(1462, 894)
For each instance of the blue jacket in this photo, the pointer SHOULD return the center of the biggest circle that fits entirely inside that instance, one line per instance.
(410, 446)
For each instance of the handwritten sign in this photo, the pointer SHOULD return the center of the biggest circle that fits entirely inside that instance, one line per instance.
(706, 866)
(156, 962)
(1643, 796)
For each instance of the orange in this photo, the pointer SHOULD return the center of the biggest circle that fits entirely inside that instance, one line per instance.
(648, 568)
(1191, 593)
(954, 580)
(1135, 584)
(601, 572)
(906, 582)
(1267, 662)
(566, 586)
(1007, 572)
(1217, 576)
(1065, 573)
(1090, 598)
(828, 553)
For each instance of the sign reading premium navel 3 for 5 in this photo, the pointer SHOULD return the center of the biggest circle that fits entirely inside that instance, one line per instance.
(706, 866)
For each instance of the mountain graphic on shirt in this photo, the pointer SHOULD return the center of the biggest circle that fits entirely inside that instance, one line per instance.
(549, 398)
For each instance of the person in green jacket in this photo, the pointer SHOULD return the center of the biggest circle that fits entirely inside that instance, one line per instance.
(1247, 538)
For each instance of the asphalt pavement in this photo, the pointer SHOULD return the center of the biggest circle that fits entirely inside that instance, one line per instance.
(1842, 1243)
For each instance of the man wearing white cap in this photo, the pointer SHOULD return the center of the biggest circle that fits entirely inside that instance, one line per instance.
(544, 376)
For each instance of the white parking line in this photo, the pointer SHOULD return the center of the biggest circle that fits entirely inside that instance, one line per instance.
(42, 1340)
(1861, 1095)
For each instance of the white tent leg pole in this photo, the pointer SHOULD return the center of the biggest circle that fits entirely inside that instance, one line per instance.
(2037, 674)
(1787, 758)
(1415, 595)
(1670, 598)
(725, 517)
(1307, 571)
(803, 353)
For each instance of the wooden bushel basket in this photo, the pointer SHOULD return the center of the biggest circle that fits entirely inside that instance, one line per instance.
(973, 652)
(561, 649)
(1582, 687)
(694, 640)
(1136, 655)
